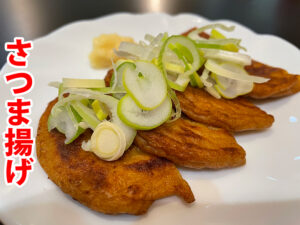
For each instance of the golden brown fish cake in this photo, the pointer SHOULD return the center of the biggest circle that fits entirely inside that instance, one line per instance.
(281, 83)
(293, 90)
(128, 185)
(191, 144)
(231, 114)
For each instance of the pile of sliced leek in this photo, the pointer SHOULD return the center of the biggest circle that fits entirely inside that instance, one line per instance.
(142, 88)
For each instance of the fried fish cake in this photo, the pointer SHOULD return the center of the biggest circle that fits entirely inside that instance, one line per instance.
(128, 185)
(281, 83)
(191, 144)
(231, 114)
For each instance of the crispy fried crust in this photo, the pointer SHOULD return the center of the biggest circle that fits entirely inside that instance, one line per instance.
(281, 83)
(128, 185)
(108, 77)
(233, 115)
(191, 144)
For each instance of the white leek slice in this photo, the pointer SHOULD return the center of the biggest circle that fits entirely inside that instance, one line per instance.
(63, 101)
(204, 78)
(230, 44)
(87, 114)
(145, 84)
(196, 80)
(183, 46)
(64, 124)
(175, 68)
(213, 92)
(130, 50)
(112, 104)
(228, 70)
(108, 141)
(177, 113)
(135, 117)
(99, 110)
(83, 83)
(234, 88)
(179, 84)
(117, 78)
(229, 56)
(195, 34)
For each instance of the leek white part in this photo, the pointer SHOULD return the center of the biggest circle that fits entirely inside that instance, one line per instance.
(142, 50)
(213, 92)
(180, 83)
(155, 46)
(187, 44)
(112, 104)
(177, 113)
(227, 70)
(229, 56)
(83, 83)
(130, 50)
(175, 68)
(145, 84)
(108, 141)
(109, 90)
(204, 78)
(63, 123)
(195, 34)
(217, 43)
(229, 88)
(117, 78)
(87, 114)
(63, 101)
(132, 115)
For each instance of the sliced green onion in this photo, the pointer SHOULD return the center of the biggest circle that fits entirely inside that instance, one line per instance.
(196, 80)
(177, 113)
(76, 119)
(230, 89)
(205, 78)
(216, 34)
(229, 44)
(64, 124)
(195, 34)
(233, 57)
(135, 117)
(87, 114)
(190, 52)
(175, 68)
(178, 84)
(227, 70)
(108, 141)
(145, 84)
(112, 104)
(99, 110)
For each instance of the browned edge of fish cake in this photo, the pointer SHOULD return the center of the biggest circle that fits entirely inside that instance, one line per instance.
(234, 115)
(281, 83)
(194, 145)
(128, 185)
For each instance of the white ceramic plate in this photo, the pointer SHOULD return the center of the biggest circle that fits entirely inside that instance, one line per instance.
(265, 191)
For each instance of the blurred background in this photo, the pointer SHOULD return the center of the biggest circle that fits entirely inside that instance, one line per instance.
(35, 18)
